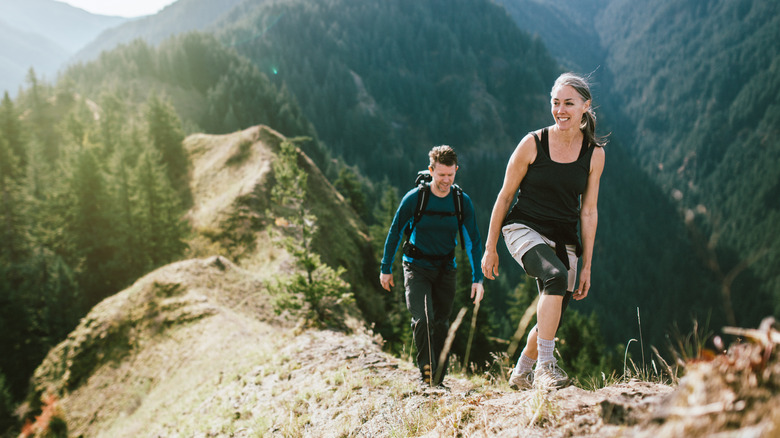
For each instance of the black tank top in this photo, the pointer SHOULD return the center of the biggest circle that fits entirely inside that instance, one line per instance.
(549, 196)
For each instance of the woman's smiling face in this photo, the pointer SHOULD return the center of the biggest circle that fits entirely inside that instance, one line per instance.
(567, 107)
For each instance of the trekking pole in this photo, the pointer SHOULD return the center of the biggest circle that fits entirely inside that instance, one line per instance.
(430, 347)
(524, 321)
(471, 335)
(448, 342)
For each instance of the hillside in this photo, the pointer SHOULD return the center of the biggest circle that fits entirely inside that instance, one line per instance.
(22, 50)
(567, 31)
(193, 349)
(179, 17)
(691, 93)
(231, 184)
(43, 34)
(196, 349)
(703, 112)
(187, 351)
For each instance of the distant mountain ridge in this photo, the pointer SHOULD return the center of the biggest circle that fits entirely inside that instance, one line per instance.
(176, 18)
(43, 34)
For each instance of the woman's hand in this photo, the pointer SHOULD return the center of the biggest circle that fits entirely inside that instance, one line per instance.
(490, 264)
(584, 285)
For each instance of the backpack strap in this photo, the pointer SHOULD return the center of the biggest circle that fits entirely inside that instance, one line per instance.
(423, 192)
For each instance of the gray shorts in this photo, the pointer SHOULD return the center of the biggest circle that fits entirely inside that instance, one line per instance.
(520, 238)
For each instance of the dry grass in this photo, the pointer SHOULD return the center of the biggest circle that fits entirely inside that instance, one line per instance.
(237, 371)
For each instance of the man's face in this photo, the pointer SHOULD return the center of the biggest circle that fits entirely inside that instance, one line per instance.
(443, 177)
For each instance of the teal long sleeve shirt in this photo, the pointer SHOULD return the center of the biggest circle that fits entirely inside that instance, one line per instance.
(434, 234)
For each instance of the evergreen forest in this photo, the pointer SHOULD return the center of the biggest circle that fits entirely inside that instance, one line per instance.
(94, 178)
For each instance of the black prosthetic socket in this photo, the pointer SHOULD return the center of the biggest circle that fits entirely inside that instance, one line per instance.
(541, 263)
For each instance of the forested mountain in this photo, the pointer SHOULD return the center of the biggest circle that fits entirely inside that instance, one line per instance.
(43, 34)
(699, 85)
(68, 26)
(178, 17)
(567, 30)
(213, 89)
(20, 51)
(693, 89)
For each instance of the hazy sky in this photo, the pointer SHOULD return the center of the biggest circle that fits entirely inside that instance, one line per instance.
(122, 8)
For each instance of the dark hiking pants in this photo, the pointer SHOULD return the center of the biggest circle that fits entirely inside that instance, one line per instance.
(436, 289)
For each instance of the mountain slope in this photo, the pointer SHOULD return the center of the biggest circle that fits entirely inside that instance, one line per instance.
(690, 92)
(566, 29)
(187, 352)
(231, 185)
(179, 17)
(702, 113)
(70, 27)
(21, 51)
(402, 77)
(195, 325)
(43, 34)
(190, 349)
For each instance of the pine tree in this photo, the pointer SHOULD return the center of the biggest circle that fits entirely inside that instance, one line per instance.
(11, 208)
(122, 166)
(166, 135)
(156, 212)
(350, 187)
(316, 288)
(19, 347)
(55, 296)
(11, 131)
(89, 225)
(41, 118)
(111, 121)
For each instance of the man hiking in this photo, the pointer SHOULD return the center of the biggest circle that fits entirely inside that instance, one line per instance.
(432, 216)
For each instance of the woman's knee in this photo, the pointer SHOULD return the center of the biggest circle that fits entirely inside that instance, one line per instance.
(542, 263)
(555, 282)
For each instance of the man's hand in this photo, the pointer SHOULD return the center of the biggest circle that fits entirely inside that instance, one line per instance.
(477, 292)
(490, 264)
(386, 280)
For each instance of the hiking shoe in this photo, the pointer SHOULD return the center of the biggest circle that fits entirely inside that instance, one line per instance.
(550, 376)
(426, 376)
(521, 381)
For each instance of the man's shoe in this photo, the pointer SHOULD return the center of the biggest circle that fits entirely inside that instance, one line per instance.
(426, 375)
(521, 381)
(549, 376)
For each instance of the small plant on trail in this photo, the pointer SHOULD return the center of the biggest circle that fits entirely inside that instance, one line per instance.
(315, 288)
